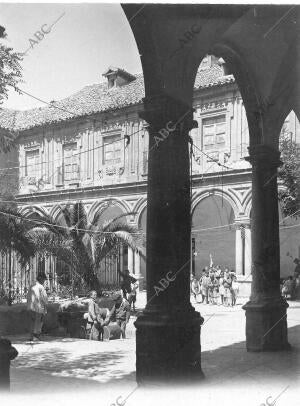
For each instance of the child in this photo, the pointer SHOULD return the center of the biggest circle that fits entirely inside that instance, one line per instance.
(227, 283)
(213, 289)
(221, 289)
(132, 295)
(234, 289)
(204, 287)
(195, 288)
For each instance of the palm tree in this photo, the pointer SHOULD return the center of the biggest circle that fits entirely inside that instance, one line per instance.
(13, 237)
(82, 244)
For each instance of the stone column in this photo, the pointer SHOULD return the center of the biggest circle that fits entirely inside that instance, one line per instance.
(130, 260)
(248, 257)
(266, 324)
(238, 250)
(168, 330)
(137, 267)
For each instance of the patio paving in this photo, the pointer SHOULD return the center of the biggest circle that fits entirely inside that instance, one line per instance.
(72, 371)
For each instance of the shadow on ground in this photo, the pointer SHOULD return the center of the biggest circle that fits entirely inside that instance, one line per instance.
(233, 363)
(68, 370)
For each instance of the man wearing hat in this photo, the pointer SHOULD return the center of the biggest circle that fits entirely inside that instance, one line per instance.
(120, 312)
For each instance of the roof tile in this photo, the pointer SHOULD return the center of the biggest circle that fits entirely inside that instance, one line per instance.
(96, 98)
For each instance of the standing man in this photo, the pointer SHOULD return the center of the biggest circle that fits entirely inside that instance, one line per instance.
(126, 283)
(204, 286)
(132, 295)
(120, 313)
(37, 305)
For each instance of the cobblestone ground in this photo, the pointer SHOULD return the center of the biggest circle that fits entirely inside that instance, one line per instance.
(64, 371)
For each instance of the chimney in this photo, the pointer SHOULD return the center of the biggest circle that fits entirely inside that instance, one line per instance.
(224, 66)
(117, 77)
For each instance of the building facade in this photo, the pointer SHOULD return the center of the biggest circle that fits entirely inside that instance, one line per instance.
(93, 147)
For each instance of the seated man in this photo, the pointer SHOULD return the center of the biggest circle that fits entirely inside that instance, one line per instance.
(120, 312)
(97, 318)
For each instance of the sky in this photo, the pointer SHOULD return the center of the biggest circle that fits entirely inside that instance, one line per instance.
(84, 40)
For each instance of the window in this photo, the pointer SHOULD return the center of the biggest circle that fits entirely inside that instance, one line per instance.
(70, 162)
(111, 150)
(214, 132)
(32, 163)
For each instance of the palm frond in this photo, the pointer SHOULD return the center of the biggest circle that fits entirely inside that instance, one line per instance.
(79, 218)
(67, 215)
(13, 235)
(108, 223)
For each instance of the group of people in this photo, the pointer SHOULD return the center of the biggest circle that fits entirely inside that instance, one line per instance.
(215, 286)
(96, 317)
(290, 288)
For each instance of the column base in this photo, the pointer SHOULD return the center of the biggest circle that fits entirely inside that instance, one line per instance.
(266, 325)
(168, 346)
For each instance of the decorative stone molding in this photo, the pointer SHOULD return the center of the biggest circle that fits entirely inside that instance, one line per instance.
(121, 170)
(214, 105)
(111, 170)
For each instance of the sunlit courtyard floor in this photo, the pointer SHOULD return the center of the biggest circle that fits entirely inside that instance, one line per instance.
(72, 371)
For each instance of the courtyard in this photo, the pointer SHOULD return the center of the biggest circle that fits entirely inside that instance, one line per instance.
(105, 371)
(173, 146)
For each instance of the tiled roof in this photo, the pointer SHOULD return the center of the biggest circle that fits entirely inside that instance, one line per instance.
(96, 98)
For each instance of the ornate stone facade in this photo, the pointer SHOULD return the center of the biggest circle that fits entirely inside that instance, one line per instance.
(104, 157)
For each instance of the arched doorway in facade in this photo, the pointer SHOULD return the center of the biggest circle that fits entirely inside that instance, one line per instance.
(41, 263)
(289, 235)
(289, 221)
(118, 259)
(213, 234)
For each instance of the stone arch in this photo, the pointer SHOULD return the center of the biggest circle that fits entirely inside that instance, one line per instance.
(28, 211)
(213, 232)
(245, 81)
(230, 198)
(142, 225)
(106, 203)
(55, 212)
(139, 209)
(248, 203)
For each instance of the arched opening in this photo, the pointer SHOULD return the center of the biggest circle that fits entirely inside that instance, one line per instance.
(213, 234)
(289, 234)
(289, 209)
(220, 145)
(22, 275)
(118, 258)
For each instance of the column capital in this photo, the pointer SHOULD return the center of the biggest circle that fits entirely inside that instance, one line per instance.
(241, 223)
(163, 111)
(263, 155)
